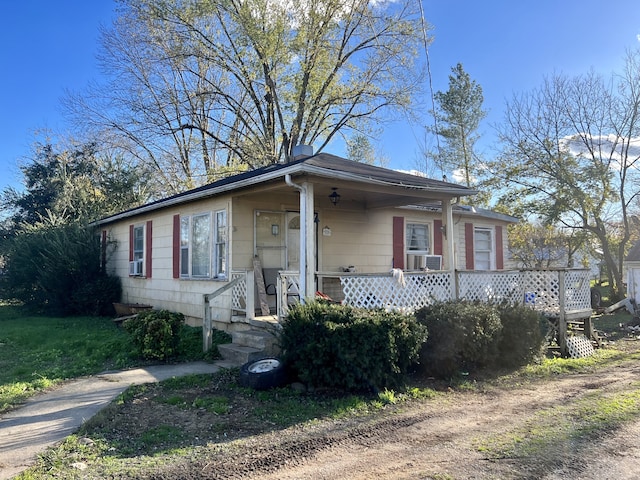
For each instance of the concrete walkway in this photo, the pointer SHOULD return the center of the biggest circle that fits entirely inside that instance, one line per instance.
(50, 417)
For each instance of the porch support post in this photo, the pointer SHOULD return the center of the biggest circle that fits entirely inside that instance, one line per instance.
(447, 244)
(308, 230)
(307, 238)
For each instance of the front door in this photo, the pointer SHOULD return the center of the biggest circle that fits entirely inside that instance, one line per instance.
(270, 239)
(277, 244)
(278, 240)
(271, 249)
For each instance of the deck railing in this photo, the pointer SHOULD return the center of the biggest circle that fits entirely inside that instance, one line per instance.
(558, 293)
(554, 293)
(402, 291)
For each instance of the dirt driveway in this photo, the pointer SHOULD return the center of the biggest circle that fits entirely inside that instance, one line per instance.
(583, 426)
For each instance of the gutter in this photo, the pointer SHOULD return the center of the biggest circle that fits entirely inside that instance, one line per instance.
(303, 235)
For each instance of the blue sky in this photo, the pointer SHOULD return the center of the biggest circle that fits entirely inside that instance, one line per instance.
(507, 46)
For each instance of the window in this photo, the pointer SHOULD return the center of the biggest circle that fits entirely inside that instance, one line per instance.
(138, 242)
(203, 246)
(483, 248)
(140, 238)
(220, 242)
(417, 238)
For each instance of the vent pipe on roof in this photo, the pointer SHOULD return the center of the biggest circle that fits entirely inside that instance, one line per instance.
(301, 151)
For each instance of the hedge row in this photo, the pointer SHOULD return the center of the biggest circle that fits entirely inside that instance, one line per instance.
(334, 346)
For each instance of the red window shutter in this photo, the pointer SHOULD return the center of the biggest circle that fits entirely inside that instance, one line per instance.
(398, 242)
(131, 243)
(499, 249)
(437, 237)
(176, 246)
(148, 238)
(103, 251)
(468, 245)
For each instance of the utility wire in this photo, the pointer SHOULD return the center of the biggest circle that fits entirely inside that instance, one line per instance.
(433, 103)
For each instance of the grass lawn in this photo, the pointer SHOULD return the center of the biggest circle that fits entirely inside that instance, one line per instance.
(37, 352)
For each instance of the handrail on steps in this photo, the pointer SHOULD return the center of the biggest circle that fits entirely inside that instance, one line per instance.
(207, 323)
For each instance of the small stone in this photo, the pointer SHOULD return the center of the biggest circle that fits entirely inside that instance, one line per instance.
(86, 441)
(79, 466)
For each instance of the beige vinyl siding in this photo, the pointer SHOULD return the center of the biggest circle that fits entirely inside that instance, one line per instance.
(162, 291)
(357, 239)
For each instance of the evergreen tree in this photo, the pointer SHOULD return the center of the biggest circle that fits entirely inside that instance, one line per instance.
(458, 115)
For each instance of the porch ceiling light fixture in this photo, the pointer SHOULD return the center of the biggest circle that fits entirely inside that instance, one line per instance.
(335, 196)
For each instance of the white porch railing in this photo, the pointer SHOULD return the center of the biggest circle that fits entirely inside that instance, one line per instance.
(288, 291)
(409, 291)
(243, 293)
(555, 293)
(243, 297)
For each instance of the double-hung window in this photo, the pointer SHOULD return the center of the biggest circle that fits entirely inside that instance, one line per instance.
(139, 258)
(138, 243)
(203, 245)
(417, 238)
(483, 248)
(220, 244)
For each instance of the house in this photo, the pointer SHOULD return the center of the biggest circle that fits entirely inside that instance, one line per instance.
(251, 243)
(632, 273)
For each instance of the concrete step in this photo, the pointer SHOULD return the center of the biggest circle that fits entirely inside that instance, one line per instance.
(269, 324)
(259, 339)
(239, 354)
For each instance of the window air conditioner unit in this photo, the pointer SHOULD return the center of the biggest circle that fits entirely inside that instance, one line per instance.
(424, 262)
(135, 268)
(433, 262)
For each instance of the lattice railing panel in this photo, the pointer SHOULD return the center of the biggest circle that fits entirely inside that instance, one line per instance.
(542, 290)
(490, 286)
(288, 291)
(538, 288)
(385, 291)
(577, 291)
(239, 292)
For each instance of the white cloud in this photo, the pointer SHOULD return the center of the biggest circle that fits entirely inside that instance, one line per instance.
(611, 146)
(638, 37)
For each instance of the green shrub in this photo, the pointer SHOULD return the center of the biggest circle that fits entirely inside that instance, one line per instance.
(155, 333)
(462, 336)
(466, 336)
(97, 296)
(523, 335)
(56, 268)
(190, 343)
(334, 346)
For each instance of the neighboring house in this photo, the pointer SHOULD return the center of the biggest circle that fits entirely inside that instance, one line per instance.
(320, 215)
(632, 273)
